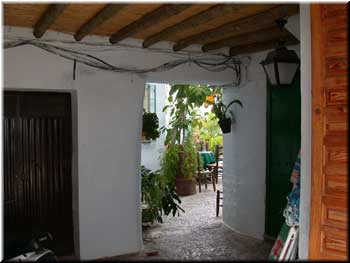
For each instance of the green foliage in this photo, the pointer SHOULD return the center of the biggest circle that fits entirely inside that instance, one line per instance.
(171, 157)
(217, 140)
(209, 127)
(189, 166)
(209, 131)
(150, 125)
(169, 163)
(151, 195)
(219, 108)
(183, 100)
(158, 196)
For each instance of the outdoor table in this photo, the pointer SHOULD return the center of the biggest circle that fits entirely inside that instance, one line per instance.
(207, 157)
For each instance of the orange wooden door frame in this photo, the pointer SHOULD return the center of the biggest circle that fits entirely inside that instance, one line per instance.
(328, 222)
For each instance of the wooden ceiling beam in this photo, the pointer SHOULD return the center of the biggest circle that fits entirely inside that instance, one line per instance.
(252, 37)
(150, 19)
(48, 18)
(260, 46)
(244, 25)
(105, 13)
(193, 22)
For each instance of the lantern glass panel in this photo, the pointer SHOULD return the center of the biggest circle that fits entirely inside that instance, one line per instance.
(287, 72)
(270, 71)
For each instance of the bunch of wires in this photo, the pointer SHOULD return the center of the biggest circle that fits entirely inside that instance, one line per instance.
(220, 63)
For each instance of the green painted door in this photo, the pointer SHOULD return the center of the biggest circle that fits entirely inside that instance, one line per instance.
(283, 144)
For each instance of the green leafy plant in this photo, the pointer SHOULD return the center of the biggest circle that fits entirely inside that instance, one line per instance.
(189, 162)
(209, 131)
(169, 163)
(209, 127)
(184, 101)
(217, 140)
(158, 196)
(150, 125)
(151, 195)
(220, 109)
(171, 157)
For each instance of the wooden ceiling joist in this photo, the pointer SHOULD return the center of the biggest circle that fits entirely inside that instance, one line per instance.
(244, 25)
(193, 22)
(154, 17)
(210, 25)
(105, 13)
(252, 37)
(47, 19)
(261, 46)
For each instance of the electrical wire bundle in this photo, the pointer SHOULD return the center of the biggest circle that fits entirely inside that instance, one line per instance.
(221, 63)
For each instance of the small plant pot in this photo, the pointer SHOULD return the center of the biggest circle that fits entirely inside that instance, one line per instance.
(225, 125)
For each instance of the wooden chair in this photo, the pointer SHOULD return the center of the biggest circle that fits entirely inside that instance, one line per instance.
(221, 152)
(218, 198)
(204, 176)
(202, 146)
(217, 167)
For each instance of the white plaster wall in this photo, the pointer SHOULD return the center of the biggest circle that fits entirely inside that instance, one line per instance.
(293, 25)
(107, 145)
(109, 117)
(306, 127)
(245, 153)
(152, 151)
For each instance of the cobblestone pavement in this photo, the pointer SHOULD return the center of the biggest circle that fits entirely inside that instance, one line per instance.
(198, 234)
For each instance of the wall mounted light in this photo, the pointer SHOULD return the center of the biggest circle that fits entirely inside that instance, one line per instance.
(281, 65)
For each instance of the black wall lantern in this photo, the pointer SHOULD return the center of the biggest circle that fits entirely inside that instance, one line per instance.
(281, 65)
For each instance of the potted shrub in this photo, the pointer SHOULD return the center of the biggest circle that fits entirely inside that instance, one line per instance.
(179, 159)
(150, 125)
(158, 197)
(220, 110)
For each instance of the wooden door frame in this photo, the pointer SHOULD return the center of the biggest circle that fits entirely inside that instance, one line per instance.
(317, 63)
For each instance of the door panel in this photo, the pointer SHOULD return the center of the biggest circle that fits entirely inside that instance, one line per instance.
(283, 145)
(37, 168)
(329, 182)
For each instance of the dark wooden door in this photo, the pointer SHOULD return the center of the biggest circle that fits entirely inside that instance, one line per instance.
(283, 145)
(329, 181)
(37, 168)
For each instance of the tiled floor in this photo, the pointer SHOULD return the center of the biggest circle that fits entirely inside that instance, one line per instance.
(198, 234)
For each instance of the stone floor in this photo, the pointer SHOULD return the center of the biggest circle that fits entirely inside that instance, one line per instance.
(198, 234)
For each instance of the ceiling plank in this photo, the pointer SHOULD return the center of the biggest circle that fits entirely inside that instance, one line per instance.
(105, 13)
(160, 14)
(249, 24)
(252, 37)
(47, 19)
(193, 21)
(260, 46)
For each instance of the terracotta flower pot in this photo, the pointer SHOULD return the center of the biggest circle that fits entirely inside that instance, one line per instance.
(185, 186)
(225, 125)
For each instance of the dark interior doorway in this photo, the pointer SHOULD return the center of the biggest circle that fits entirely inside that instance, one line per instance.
(37, 152)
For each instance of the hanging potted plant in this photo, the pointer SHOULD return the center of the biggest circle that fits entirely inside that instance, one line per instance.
(220, 110)
(150, 126)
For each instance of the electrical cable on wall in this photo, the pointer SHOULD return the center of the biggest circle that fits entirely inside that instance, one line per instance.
(220, 63)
